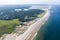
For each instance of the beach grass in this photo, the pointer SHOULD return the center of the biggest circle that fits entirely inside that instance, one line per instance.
(41, 15)
(7, 26)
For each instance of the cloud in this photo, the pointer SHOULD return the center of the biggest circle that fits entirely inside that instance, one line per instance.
(29, 2)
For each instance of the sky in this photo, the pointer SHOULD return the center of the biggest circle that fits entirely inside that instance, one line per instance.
(5, 2)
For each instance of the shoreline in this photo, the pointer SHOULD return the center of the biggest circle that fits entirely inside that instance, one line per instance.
(31, 30)
(39, 28)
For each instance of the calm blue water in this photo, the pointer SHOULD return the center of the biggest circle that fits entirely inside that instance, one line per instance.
(51, 29)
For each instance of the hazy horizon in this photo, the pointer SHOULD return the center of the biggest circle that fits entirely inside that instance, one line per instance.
(19, 2)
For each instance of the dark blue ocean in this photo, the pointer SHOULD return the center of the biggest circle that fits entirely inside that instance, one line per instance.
(51, 29)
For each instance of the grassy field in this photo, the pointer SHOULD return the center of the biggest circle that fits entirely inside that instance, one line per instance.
(7, 26)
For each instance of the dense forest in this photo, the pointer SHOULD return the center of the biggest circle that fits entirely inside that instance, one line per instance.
(8, 13)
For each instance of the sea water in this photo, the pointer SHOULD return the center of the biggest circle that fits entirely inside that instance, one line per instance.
(51, 29)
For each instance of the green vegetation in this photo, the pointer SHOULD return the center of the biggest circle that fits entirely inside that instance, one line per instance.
(41, 15)
(7, 26)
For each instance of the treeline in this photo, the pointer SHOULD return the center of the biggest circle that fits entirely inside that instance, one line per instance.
(8, 13)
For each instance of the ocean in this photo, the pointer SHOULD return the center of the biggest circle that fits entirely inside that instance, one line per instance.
(51, 29)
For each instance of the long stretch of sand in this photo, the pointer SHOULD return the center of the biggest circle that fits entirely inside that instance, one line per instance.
(28, 35)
